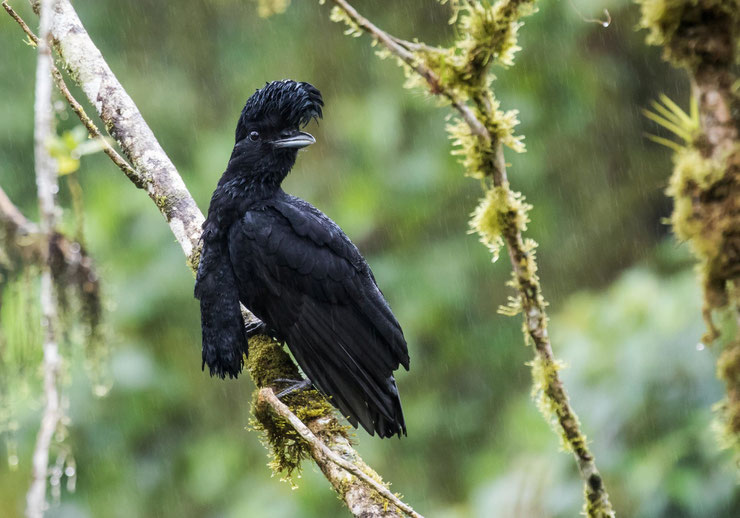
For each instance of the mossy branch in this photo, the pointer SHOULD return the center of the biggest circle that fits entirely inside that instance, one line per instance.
(702, 36)
(152, 170)
(319, 449)
(459, 74)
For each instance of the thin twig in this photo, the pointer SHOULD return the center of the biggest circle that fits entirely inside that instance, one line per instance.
(267, 394)
(46, 181)
(92, 129)
(21, 22)
(95, 133)
(414, 46)
(522, 262)
(435, 85)
(11, 216)
(21, 241)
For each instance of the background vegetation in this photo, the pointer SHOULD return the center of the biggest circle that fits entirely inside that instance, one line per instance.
(169, 441)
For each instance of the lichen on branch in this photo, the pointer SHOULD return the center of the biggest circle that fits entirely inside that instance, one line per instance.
(500, 208)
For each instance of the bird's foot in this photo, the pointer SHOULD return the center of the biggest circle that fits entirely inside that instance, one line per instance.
(295, 386)
(256, 327)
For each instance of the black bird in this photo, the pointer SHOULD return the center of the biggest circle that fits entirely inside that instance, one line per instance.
(296, 270)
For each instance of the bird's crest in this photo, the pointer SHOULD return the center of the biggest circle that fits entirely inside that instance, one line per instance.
(291, 103)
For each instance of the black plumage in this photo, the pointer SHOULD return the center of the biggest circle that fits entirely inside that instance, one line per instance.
(295, 270)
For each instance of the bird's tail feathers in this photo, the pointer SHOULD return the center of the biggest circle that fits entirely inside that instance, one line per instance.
(361, 386)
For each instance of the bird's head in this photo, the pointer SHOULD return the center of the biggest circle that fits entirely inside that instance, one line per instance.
(268, 134)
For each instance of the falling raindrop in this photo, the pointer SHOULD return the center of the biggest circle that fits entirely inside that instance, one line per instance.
(101, 390)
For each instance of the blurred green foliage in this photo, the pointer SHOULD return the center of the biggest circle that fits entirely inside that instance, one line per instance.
(169, 441)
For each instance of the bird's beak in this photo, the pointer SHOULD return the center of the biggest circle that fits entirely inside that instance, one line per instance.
(297, 140)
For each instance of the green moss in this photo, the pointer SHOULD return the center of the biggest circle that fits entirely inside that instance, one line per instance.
(513, 305)
(486, 220)
(476, 155)
(596, 507)
(728, 366)
(338, 15)
(701, 35)
(692, 172)
(500, 209)
(489, 32)
(349, 482)
(487, 35)
(286, 449)
(193, 259)
(684, 27)
(544, 378)
(160, 201)
(661, 18)
(703, 217)
(728, 370)
(266, 362)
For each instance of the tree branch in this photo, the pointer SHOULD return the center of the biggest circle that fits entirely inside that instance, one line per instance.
(508, 216)
(322, 451)
(398, 47)
(46, 182)
(13, 220)
(153, 170)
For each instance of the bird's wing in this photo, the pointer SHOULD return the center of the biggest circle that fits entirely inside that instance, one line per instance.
(317, 292)
(224, 338)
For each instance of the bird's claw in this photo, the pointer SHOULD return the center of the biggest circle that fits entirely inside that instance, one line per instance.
(295, 386)
(255, 327)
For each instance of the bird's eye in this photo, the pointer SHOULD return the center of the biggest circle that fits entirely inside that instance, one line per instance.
(254, 136)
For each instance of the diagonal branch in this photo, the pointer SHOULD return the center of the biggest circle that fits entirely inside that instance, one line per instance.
(268, 395)
(481, 118)
(13, 220)
(398, 47)
(154, 171)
